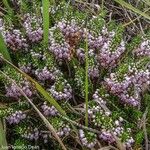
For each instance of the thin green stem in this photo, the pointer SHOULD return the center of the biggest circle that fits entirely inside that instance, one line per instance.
(86, 82)
(45, 4)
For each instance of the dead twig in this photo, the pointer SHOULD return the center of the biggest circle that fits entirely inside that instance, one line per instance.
(108, 148)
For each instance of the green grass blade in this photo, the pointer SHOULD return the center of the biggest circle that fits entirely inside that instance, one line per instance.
(45, 4)
(3, 142)
(39, 88)
(3, 49)
(135, 10)
(86, 83)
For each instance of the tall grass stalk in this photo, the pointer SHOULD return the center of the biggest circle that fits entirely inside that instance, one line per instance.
(45, 4)
(86, 81)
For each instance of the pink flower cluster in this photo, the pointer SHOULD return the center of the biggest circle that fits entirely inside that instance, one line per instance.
(64, 94)
(13, 91)
(61, 51)
(49, 111)
(108, 58)
(143, 49)
(123, 89)
(32, 25)
(16, 117)
(15, 40)
(44, 74)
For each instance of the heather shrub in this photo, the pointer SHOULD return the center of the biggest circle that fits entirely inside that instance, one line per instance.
(81, 47)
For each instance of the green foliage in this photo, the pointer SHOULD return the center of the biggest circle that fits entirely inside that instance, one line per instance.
(12, 73)
(79, 78)
(118, 36)
(57, 122)
(139, 138)
(96, 24)
(134, 43)
(20, 143)
(5, 112)
(90, 136)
